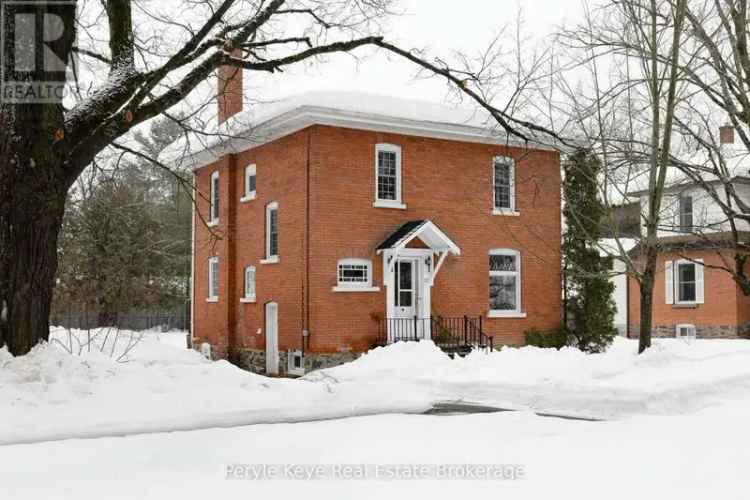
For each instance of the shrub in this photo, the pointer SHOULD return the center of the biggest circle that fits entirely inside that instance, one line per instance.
(555, 338)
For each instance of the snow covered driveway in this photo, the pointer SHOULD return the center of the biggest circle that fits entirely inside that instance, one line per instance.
(702, 455)
(678, 424)
(673, 377)
(51, 394)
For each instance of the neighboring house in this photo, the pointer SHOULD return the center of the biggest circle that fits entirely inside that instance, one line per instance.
(692, 298)
(345, 221)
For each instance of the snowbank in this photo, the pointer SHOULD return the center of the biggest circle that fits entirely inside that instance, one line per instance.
(674, 376)
(50, 394)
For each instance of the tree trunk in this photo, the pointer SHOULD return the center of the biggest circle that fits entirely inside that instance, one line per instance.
(34, 181)
(647, 299)
(31, 209)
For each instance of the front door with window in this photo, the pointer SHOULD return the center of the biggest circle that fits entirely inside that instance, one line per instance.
(407, 297)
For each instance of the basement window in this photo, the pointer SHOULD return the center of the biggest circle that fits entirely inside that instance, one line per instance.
(296, 363)
(685, 331)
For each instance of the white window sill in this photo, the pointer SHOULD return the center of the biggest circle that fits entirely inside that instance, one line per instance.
(212, 299)
(356, 289)
(247, 300)
(212, 223)
(506, 314)
(249, 197)
(270, 260)
(505, 211)
(389, 204)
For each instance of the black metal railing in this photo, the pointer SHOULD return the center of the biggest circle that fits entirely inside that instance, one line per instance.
(452, 334)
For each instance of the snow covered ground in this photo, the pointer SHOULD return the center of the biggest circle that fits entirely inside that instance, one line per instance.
(674, 376)
(677, 423)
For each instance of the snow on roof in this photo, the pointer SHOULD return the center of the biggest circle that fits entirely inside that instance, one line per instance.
(365, 103)
(736, 158)
(269, 120)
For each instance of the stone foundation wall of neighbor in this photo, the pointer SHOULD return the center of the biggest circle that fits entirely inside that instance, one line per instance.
(255, 361)
(701, 331)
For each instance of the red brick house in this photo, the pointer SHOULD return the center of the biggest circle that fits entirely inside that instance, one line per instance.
(333, 222)
(693, 296)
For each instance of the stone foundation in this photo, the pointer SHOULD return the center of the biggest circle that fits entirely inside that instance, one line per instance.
(701, 332)
(255, 361)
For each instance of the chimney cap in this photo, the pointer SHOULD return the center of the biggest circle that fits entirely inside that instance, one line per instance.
(726, 134)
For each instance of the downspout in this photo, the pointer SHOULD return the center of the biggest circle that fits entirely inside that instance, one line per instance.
(306, 288)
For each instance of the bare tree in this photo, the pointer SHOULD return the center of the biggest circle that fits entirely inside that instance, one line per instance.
(154, 59)
(631, 50)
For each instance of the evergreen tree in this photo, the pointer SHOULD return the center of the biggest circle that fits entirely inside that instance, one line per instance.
(125, 241)
(590, 305)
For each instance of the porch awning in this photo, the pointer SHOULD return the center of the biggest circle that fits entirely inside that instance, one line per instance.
(427, 231)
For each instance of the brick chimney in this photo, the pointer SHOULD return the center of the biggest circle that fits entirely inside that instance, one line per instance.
(229, 92)
(726, 134)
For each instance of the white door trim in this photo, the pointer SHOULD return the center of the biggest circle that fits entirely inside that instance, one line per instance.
(272, 338)
(423, 282)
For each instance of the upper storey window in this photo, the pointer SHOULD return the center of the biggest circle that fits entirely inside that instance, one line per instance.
(504, 185)
(214, 198)
(388, 176)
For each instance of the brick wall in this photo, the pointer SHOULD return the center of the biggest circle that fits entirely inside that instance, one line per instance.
(724, 312)
(447, 182)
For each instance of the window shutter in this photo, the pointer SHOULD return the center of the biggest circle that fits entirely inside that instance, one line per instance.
(699, 295)
(669, 282)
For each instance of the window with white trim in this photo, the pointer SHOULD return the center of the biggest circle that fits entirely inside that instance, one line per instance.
(250, 177)
(354, 273)
(685, 331)
(213, 278)
(272, 231)
(686, 213)
(505, 281)
(388, 174)
(214, 198)
(684, 282)
(250, 284)
(503, 180)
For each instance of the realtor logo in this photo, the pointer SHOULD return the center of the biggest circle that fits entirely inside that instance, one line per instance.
(32, 34)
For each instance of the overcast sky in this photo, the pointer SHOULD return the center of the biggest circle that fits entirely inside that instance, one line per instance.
(440, 26)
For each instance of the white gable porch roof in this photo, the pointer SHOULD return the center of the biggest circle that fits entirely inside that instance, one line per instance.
(427, 231)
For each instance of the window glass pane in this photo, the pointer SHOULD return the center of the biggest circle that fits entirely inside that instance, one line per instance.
(502, 184)
(405, 299)
(503, 293)
(686, 282)
(273, 233)
(502, 263)
(249, 282)
(405, 275)
(386, 175)
(686, 214)
(250, 187)
(215, 197)
(353, 273)
(213, 278)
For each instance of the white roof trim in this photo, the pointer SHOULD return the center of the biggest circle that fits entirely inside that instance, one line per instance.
(305, 116)
(431, 229)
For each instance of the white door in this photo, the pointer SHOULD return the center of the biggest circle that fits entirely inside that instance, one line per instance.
(272, 338)
(405, 299)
